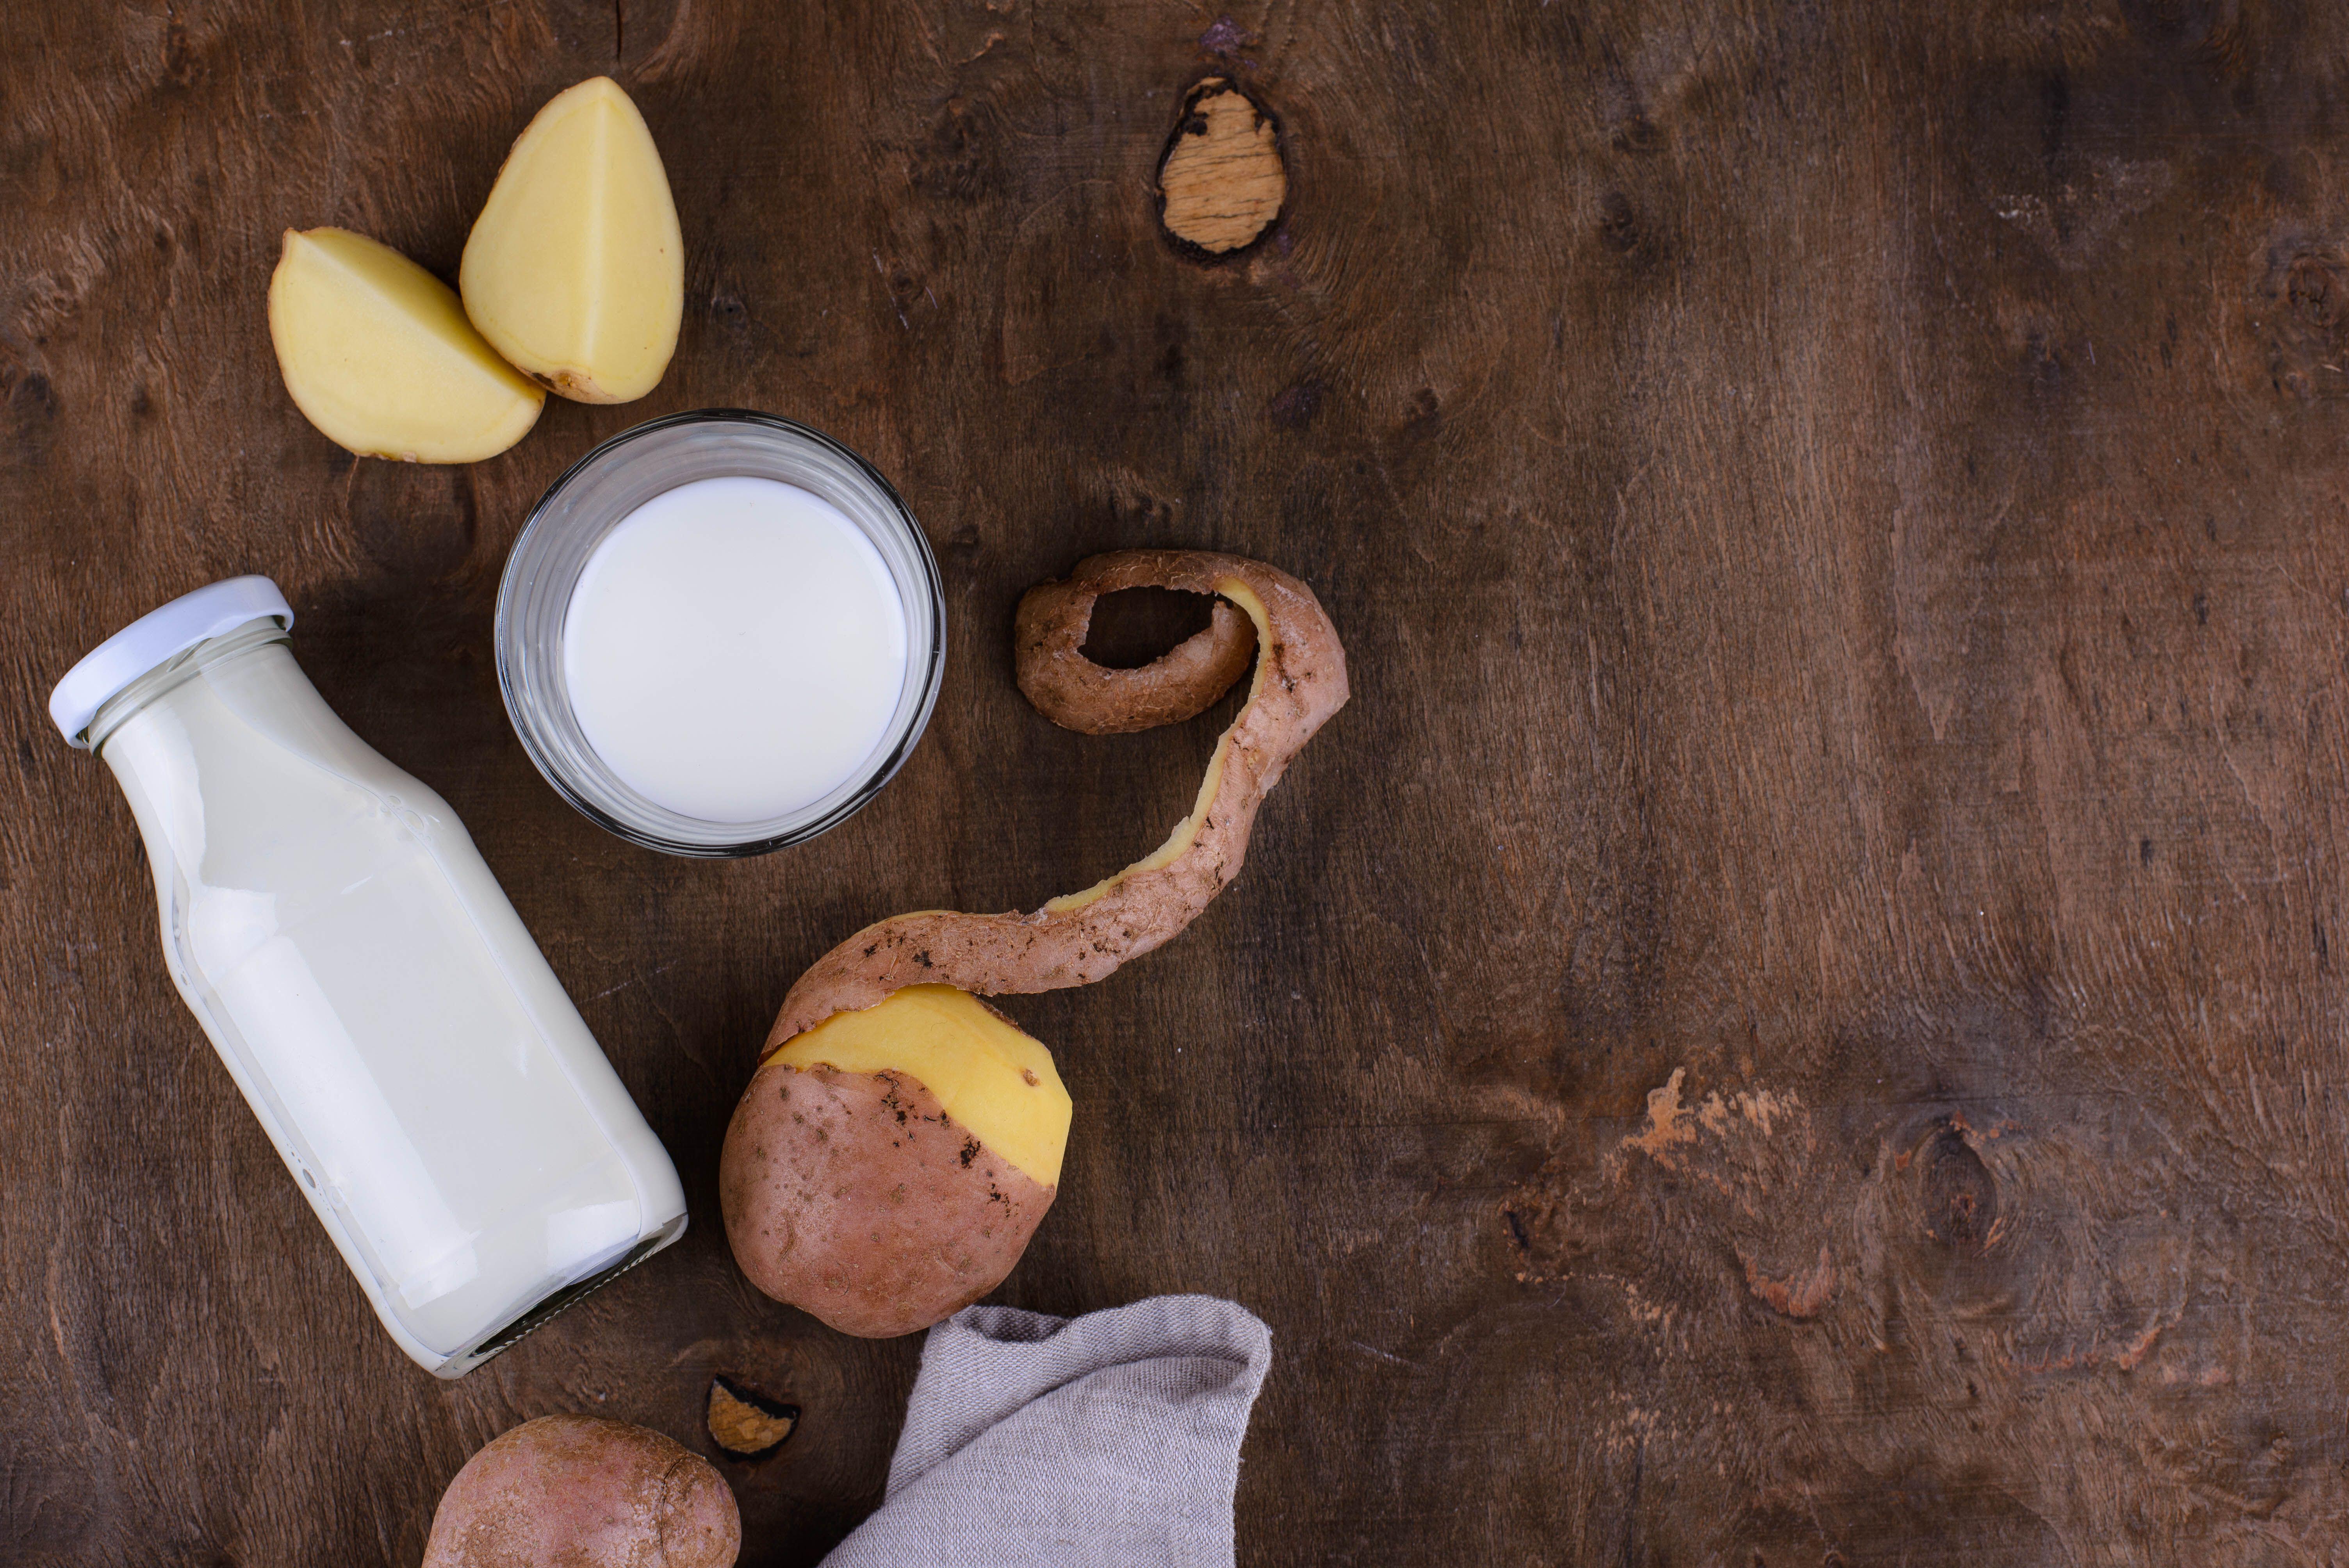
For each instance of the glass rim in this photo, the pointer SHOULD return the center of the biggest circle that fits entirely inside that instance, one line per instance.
(505, 633)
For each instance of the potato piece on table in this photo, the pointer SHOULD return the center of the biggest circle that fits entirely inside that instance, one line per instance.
(378, 355)
(576, 268)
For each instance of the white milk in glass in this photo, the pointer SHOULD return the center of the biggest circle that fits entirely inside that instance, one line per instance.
(417, 1065)
(735, 649)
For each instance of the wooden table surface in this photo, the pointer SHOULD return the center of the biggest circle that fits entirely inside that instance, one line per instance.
(1793, 1020)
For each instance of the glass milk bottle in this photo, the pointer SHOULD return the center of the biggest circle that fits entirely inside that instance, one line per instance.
(327, 919)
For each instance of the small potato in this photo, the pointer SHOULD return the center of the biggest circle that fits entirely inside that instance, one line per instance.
(575, 1491)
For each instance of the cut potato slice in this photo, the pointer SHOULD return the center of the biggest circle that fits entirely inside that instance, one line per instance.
(378, 355)
(575, 269)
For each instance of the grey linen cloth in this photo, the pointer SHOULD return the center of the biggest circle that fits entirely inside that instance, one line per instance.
(1111, 1441)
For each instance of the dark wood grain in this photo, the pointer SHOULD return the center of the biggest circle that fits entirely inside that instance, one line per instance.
(1793, 1020)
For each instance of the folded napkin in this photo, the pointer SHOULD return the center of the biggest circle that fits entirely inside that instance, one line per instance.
(1110, 1440)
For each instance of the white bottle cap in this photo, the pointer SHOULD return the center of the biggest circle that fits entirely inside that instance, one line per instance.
(157, 637)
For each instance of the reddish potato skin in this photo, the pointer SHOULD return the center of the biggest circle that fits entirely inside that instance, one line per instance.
(575, 1491)
(1077, 694)
(856, 1198)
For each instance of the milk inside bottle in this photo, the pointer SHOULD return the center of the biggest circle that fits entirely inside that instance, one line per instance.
(327, 919)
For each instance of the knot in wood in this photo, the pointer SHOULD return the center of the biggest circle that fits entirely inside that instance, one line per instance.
(1959, 1198)
(1221, 182)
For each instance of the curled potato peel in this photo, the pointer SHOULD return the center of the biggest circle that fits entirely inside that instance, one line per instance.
(852, 1186)
(1081, 937)
(1077, 694)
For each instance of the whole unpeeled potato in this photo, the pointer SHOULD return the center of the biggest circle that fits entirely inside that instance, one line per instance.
(576, 1491)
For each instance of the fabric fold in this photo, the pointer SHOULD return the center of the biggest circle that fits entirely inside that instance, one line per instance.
(1108, 1440)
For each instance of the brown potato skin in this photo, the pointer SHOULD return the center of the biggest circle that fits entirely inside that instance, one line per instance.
(577, 1491)
(856, 1198)
(1049, 636)
(1301, 682)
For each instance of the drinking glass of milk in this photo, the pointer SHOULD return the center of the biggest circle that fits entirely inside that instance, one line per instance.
(720, 633)
(325, 916)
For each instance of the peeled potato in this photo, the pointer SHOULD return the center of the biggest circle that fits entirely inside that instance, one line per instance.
(579, 1492)
(576, 268)
(378, 355)
(886, 1168)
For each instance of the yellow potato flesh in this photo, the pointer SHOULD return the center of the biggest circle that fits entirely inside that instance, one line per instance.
(575, 269)
(378, 355)
(989, 1076)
